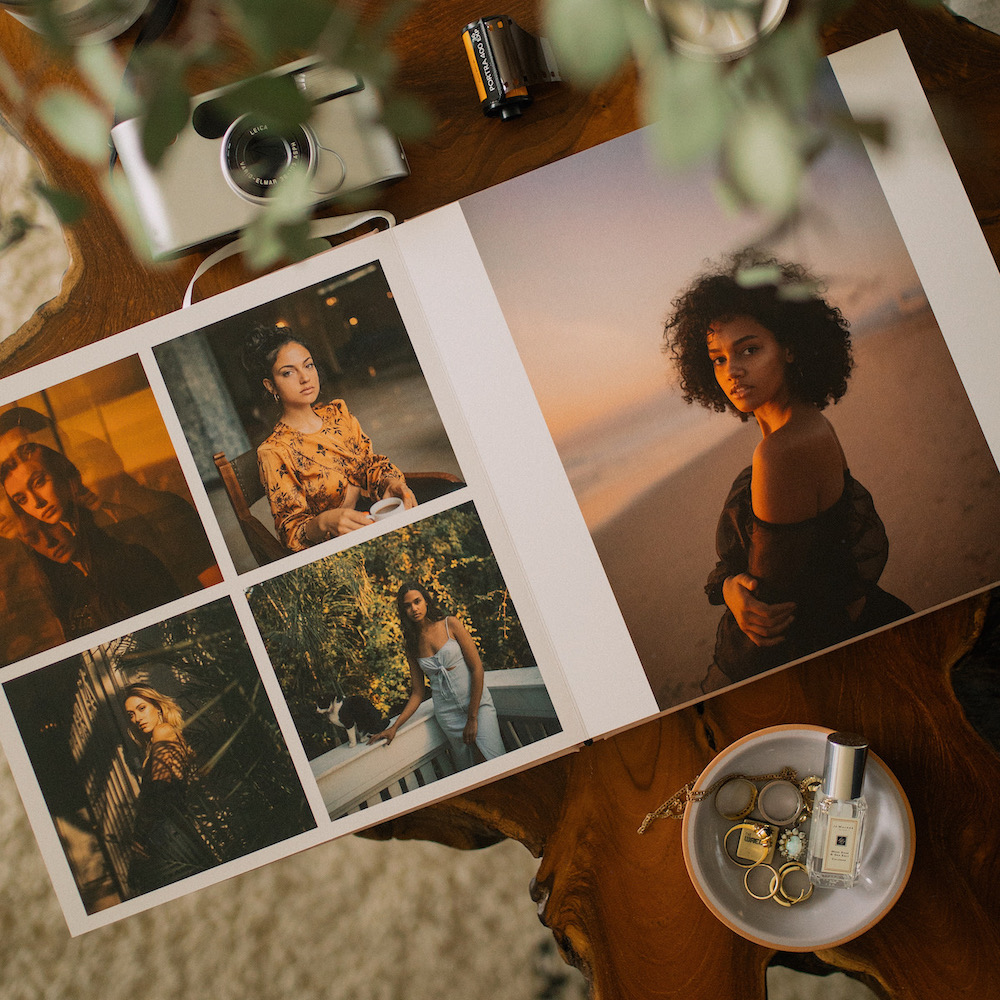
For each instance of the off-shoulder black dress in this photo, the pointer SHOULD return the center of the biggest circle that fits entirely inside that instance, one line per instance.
(826, 565)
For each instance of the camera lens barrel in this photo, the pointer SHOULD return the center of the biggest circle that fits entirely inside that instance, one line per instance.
(255, 156)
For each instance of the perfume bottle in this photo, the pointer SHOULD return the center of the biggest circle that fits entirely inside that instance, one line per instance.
(837, 836)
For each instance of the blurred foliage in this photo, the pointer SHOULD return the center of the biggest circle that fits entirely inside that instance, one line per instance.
(755, 117)
(332, 627)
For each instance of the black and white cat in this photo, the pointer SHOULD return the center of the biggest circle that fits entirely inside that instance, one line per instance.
(355, 714)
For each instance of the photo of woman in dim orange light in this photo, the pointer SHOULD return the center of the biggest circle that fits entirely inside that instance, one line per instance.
(95, 579)
(98, 523)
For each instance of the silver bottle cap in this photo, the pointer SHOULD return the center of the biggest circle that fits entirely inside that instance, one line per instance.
(844, 766)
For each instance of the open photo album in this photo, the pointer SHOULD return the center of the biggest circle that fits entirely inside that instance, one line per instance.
(450, 500)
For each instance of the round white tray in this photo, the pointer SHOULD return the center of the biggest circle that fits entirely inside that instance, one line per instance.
(831, 916)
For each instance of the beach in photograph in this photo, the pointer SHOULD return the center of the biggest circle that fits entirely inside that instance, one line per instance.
(910, 436)
(586, 305)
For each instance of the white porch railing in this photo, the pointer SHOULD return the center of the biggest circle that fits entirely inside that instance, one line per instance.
(353, 778)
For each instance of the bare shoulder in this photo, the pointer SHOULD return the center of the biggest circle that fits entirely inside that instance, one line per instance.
(798, 471)
(164, 733)
(456, 627)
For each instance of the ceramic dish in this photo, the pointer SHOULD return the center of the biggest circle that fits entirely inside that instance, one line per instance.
(831, 916)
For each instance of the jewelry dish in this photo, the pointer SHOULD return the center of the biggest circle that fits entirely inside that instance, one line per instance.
(831, 916)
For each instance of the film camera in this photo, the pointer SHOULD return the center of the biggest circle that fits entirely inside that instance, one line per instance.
(217, 175)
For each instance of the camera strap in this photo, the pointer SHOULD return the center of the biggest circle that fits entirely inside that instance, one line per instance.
(318, 229)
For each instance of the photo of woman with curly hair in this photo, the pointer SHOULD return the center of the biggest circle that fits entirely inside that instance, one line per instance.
(804, 561)
(800, 544)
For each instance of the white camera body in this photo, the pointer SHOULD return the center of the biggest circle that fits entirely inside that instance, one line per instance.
(215, 177)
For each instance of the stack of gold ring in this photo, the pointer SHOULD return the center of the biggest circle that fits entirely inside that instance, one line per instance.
(787, 803)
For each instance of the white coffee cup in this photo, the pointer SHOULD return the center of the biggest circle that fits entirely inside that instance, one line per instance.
(386, 507)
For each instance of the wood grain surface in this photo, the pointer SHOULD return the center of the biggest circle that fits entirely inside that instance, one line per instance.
(621, 906)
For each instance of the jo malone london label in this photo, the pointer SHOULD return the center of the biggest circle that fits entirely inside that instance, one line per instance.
(841, 845)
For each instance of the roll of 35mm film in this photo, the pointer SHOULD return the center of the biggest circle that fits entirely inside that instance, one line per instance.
(506, 60)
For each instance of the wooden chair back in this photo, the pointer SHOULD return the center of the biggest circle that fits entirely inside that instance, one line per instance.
(244, 488)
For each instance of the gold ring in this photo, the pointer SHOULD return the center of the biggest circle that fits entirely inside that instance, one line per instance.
(772, 884)
(762, 831)
(744, 803)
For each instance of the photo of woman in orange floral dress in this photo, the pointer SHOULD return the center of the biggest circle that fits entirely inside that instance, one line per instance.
(317, 463)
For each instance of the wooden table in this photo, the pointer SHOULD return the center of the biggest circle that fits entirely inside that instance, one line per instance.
(621, 906)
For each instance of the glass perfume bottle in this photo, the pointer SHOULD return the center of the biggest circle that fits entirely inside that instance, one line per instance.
(837, 836)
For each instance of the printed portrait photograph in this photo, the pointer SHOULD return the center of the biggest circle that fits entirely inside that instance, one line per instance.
(158, 756)
(97, 523)
(764, 429)
(403, 660)
(304, 412)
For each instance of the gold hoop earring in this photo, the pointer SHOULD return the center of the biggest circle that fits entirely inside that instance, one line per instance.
(783, 872)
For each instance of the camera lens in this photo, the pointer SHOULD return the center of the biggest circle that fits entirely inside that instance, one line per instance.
(255, 156)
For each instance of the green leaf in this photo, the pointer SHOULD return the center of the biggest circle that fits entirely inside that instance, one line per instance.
(755, 277)
(47, 20)
(789, 59)
(273, 26)
(729, 199)
(273, 99)
(281, 230)
(103, 70)
(686, 102)
(119, 194)
(588, 37)
(799, 291)
(76, 123)
(828, 10)
(407, 117)
(644, 33)
(165, 102)
(68, 207)
(763, 158)
(873, 130)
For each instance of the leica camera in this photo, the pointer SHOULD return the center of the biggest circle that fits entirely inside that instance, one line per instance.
(216, 177)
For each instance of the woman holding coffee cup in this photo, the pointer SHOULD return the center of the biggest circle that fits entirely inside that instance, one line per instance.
(317, 462)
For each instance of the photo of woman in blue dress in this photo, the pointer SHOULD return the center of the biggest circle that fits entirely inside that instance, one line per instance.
(442, 654)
